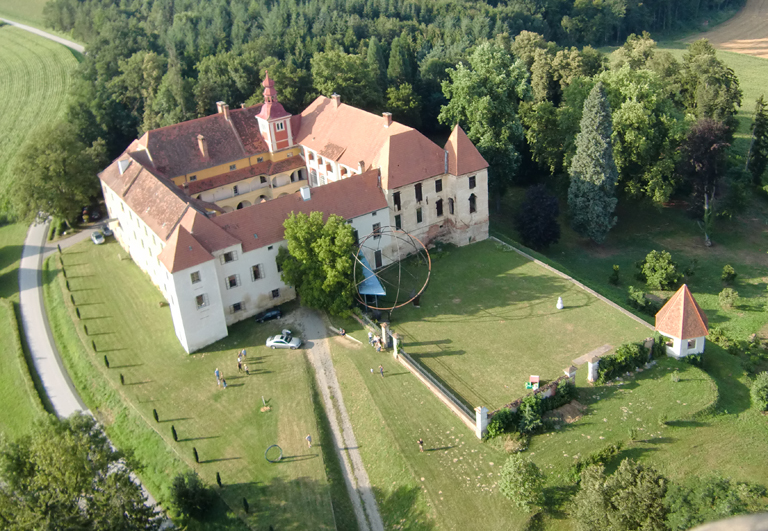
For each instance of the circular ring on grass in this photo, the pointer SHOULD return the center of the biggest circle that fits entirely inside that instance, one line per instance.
(279, 457)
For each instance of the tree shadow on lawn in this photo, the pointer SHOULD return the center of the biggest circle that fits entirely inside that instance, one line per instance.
(556, 500)
(399, 509)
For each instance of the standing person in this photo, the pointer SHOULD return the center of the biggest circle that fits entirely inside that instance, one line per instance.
(239, 365)
(223, 383)
(309, 440)
(381, 371)
(218, 376)
(371, 371)
(245, 368)
(370, 337)
(421, 445)
(243, 353)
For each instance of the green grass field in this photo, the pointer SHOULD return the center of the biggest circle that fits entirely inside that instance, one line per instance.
(29, 12)
(484, 333)
(37, 74)
(226, 426)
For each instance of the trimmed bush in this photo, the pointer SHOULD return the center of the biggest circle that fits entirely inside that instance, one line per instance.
(728, 298)
(628, 357)
(759, 392)
(614, 278)
(728, 275)
(601, 457)
(522, 482)
(565, 392)
(503, 421)
(659, 271)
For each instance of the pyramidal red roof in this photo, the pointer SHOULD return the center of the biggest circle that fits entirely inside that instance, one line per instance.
(463, 156)
(183, 251)
(681, 317)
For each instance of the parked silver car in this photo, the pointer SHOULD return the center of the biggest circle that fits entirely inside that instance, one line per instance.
(97, 237)
(284, 341)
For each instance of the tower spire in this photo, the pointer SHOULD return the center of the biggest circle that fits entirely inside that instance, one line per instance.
(270, 94)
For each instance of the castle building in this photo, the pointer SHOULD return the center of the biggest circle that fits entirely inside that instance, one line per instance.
(200, 205)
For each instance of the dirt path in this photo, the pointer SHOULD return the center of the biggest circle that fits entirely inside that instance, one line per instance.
(746, 33)
(355, 476)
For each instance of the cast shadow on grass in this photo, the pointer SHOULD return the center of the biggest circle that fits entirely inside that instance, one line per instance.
(435, 342)
(205, 461)
(292, 458)
(198, 438)
(399, 510)
(632, 452)
(139, 383)
(9, 254)
(686, 423)
(556, 500)
(179, 419)
(126, 366)
(439, 449)
(659, 440)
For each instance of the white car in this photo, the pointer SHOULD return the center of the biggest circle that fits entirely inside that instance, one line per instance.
(284, 341)
(97, 237)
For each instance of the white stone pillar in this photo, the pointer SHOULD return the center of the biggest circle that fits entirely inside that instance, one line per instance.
(395, 344)
(594, 365)
(481, 417)
(570, 372)
(384, 336)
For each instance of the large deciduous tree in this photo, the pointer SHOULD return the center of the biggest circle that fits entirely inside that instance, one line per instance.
(484, 97)
(630, 499)
(54, 175)
(592, 192)
(348, 75)
(66, 475)
(536, 222)
(757, 158)
(319, 260)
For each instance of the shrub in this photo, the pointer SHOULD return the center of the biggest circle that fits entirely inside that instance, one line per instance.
(190, 495)
(728, 275)
(600, 457)
(728, 298)
(516, 442)
(628, 356)
(502, 421)
(719, 337)
(522, 482)
(759, 392)
(529, 414)
(631, 498)
(614, 278)
(566, 392)
(659, 271)
(536, 222)
(636, 298)
(703, 500)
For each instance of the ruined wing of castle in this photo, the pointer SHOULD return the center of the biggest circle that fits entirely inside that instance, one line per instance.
(200, 205)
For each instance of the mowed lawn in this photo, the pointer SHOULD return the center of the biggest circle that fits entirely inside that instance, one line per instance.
(36, 75)
(488, 320)
(124, 318)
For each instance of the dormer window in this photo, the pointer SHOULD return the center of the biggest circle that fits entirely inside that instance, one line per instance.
(259, 159)
(279, 126)
(192, 178)
(232, 167)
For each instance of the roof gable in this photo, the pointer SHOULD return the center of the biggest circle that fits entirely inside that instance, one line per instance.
(463, 156)
(410, 157)
(681, 316)
(183, 251)
(206, 232)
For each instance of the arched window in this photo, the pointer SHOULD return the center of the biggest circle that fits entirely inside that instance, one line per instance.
(472, 203)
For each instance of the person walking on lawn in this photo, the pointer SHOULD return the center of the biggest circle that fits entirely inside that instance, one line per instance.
(239, 365)
(421, 445)
(218, 376)
(309, 440)
(381, 370)
(223, 383)
(370, 337)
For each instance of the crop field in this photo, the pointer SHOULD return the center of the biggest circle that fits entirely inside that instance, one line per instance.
(29, 12)
(745, 33)
(36, 75)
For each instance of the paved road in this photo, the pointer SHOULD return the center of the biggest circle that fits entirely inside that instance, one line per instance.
(355, 476)
(45, 356)
(65, 42)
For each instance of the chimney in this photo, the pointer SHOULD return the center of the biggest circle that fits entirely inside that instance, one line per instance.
(336, 100)
(387, 118)
(242, 105)
(219, 105)
(203, 145)
(305, 193)
(361, 166)
(223, 109)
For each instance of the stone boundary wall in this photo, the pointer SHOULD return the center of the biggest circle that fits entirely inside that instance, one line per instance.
(579, 284)
(459, 409)
(545, 391)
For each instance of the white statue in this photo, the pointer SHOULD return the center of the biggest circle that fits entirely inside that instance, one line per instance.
(559, 303)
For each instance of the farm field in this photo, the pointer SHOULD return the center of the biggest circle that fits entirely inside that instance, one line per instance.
(745, 33)
(37, 74)
(227, 428)
(483, 330)
(29, 12)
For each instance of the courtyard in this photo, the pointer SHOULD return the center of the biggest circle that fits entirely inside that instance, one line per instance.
(488, 320)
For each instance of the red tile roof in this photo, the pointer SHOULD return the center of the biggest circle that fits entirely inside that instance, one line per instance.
(463, 156)
(681, 317)
(212, 237)
(262, 168)
(407, 158)
(347, 198)
(175, 150)
(183, 251)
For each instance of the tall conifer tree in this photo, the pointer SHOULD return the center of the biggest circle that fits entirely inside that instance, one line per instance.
(757, 158)
(592, 193)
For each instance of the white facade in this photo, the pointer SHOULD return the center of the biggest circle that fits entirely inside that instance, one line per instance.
(681, 348)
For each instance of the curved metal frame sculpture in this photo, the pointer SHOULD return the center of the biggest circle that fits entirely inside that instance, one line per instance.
(267, 451)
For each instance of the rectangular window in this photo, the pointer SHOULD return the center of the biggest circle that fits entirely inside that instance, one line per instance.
(396, 198)
(201, 300)
(259, 159)
(418, 193)
(439, 207)
(195, 277)
(418, 215)
(279, 126)
(472, 182)
(234, 189)
(373, 214)
(237, 307)
(231, 256)
(279, 267)
(275, 293)
(450, 206)
(269, 248)
(377, 258)
(289, 155)
(439, 186)
(356, 237)
(262, 179)
(257, 272)
(193, 177)
(398, 223)
(376, 231)
(232, 281)
(232, 167)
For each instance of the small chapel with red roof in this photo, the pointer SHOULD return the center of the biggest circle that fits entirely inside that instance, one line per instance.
(684, 322)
